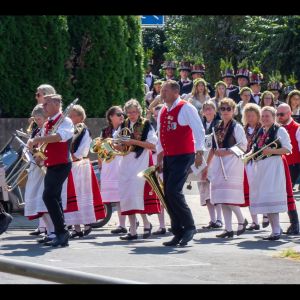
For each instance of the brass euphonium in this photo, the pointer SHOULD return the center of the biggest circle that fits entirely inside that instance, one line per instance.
(255, 157)
(156, 183)
(105, 147)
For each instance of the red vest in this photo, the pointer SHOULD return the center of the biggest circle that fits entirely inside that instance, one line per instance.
(59, 152)
(294, 157)
(175, 139)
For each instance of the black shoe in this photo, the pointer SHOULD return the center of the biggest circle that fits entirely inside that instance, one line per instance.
(253, 226)
(5, 220)
(265, 223)
(170, 230)
(174, 241)
(218, 224)
(129, 237)
(87, 231)
(241, 231)
(45, 239)
(119, 230)
(160, 231)
(187, 236)
(272, 237)
(75, 233)
(292, 229)
(210, 225)
(225, 234)
(61, 239)
(147, 232)
(37, 232)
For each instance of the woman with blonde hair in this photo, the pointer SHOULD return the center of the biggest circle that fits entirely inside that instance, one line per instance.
(220, 88)
(226, 170)
(267, 181)
(199, 94)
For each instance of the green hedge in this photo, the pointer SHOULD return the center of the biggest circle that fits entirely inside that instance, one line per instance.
(96, 58)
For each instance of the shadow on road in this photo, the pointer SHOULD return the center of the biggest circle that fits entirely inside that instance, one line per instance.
(158, 250)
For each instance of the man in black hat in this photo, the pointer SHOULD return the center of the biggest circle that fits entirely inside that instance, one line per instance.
(198, 71)
(242, 76)
(255, 85)
(276, 88)
(149, 77)
(227, 77)
(169, 67)
(186, 85)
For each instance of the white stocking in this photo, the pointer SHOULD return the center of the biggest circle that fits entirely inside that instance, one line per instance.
(132, 222)
(145, 221)
(122, 218)
(275, 224)
(218, 209)
(238, 213)
(227, 213)
(211, 211)
(48, 223)
(161, 218)
(254, 219)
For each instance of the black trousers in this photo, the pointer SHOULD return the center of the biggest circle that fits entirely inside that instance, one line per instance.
(54, 179)
(175, 172)
(295, 172)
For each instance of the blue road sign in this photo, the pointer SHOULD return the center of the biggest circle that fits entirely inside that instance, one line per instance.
(152, 21)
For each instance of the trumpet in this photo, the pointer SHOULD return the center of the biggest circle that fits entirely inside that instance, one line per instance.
(255, 156)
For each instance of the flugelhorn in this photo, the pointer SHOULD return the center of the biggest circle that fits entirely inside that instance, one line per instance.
(155, 182)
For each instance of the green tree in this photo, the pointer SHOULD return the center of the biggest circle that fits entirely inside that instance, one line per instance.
(107, 63)
(33, 50)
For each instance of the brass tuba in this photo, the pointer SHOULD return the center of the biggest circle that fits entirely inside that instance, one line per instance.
(156, 183)
(255, 156)
(105, 147)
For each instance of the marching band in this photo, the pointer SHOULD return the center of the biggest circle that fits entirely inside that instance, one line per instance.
(185, 130)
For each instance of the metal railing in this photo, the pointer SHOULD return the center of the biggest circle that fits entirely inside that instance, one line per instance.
(55, 274)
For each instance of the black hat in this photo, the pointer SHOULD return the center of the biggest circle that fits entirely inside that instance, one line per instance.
(198, 68)
(275, 86)
(256, 78)
(227, 73)
(185, 66)
(169, 64)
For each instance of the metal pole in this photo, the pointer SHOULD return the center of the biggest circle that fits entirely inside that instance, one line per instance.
(58, 275)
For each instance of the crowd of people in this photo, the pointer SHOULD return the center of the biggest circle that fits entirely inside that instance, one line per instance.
(188, 129)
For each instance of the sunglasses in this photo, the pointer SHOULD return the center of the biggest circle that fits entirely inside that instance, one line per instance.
(223, 108)
(280, 114)
(119, 114)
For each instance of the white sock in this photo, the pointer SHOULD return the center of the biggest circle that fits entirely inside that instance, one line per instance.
(122, 218)
(238, 213)
(161, 218)
(211, 211)
(48, 223)
(42, 225)
(275, 223)
(254, 219)
(227, 213)
(218, 209)
(132, 221)
(145, 221)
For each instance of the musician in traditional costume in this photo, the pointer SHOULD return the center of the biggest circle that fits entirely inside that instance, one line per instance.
(267, 181)
(169, 68)
(256, 79)
(284, 117)
(136, 195)
(275, 87)
(227, 75)
(251, 121)
(35, 186)
(210, 120)
(58, 164)
(226, 170)
(110, 171)
(185, 83)
(181, 135)
(90, 206)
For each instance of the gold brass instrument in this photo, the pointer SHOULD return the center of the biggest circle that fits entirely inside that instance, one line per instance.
(156, 183)
(255, 157)
(40, 151)
(105, 147)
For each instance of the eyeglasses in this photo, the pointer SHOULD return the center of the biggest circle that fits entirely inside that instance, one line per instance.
(223, 108)
(280, 114)
(119, 114)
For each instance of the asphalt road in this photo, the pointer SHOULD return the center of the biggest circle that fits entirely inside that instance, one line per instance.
(207, 259)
